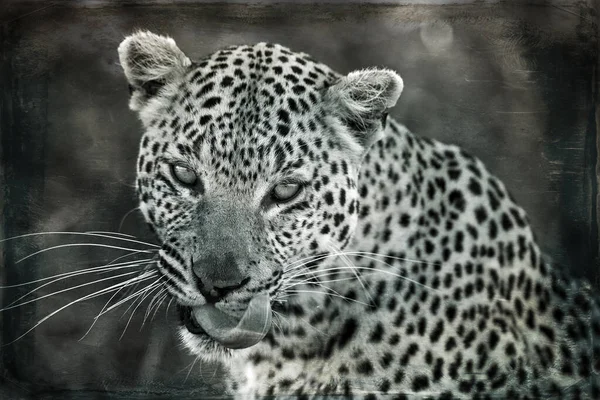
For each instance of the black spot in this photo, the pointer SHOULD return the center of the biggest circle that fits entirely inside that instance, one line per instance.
(469, 338)
(283, 130)
(205, 89)
(404, 220)
(298, 89)
(506, 222)
(420, 382)
(279, 89)
(293, 106)
(364, 367)
(211, 102)
(205, 119)
(493, 229)
(291, 78)
(465, 386)
(451, 312)
(450, 343)
(474, 187)
(384, 386)
(328, 198)
(421, 326)
(494, 338)
(457, 199)
(438, 370)
(284, 116)
(494, 202)
(437, 331)
(288, 353)
(347, 332)
(454, 174)
(386, 359)
(547, 331)
(399, 377)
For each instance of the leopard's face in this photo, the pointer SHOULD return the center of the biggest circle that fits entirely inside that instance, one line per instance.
(247, 169)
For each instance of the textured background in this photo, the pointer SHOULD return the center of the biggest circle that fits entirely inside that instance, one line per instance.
(514, 84)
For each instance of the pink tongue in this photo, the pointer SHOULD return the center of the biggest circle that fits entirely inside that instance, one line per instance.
(233, 333)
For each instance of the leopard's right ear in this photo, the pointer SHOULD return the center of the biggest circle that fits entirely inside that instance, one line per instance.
(361, 100)
(150, 62)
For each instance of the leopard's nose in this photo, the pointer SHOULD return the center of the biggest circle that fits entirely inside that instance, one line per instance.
(216, 277)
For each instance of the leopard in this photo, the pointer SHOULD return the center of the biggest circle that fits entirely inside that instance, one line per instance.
(317, 248)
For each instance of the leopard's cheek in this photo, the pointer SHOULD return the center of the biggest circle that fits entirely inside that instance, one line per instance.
(336, 208)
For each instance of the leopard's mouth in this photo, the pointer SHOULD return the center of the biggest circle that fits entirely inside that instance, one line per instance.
(189, 322)
(228, 331)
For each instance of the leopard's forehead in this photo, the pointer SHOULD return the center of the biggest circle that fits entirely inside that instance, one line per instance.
(242, 104)
(252, 90)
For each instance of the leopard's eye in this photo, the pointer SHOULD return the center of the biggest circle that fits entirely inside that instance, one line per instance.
(285, 192)
(184, 175)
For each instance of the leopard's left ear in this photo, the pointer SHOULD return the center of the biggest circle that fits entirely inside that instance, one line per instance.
(362, 99)
(150, 62)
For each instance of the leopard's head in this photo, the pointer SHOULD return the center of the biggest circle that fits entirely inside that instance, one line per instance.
(247, 170)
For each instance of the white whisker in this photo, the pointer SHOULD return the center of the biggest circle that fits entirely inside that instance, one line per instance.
(126, 299)
(167, 310)
(329, 294)
(382, 271)
(350, 253)
(347, 261)
(140, 300)
(112, 233)
(306, 260)
(125, 217)
(366, 253)
(83, 244)
(311, 326)
(130, 289)
(136, 279)
(108, 235)
(401, 276)
(65, 275)
(316, 276)
(278, 326)
(98, 270)
(311, 281)
(153, 302)
(87, 297)
(67, 290)
(128, 255)
(191, 367)
(161, 301)
(103, 308)
(288, 284)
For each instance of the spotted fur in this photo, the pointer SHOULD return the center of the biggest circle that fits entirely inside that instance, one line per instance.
(422, 275)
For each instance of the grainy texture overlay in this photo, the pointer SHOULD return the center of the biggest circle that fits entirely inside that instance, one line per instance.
(513, 84)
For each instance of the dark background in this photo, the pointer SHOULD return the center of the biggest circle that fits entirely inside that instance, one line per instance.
(513, 83)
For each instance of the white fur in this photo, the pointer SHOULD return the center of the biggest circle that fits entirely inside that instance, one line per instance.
(162, 60)
(368, 90)
(364, 95)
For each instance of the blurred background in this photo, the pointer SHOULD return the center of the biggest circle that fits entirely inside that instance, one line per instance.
(513, 82)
